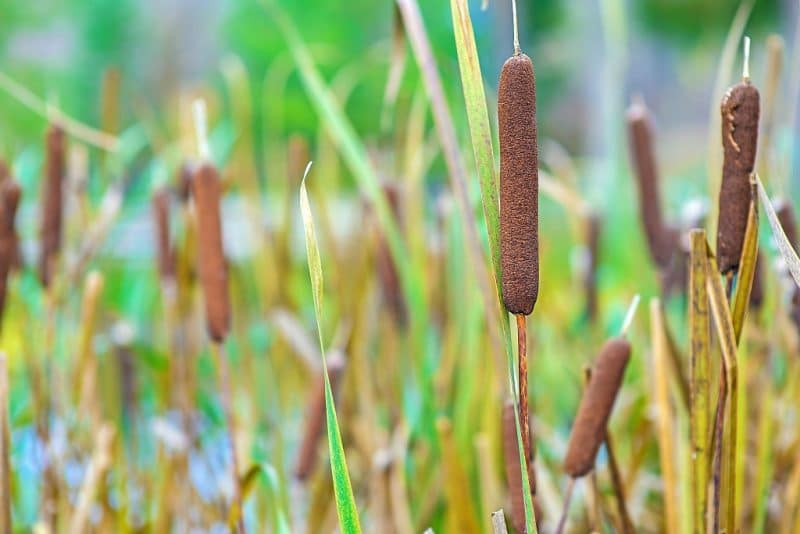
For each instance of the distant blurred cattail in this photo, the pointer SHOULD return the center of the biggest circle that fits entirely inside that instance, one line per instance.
(740, 111)
(640, 137)
(52, 202)
(212, 266)
(165, 251)
(10, 193)
(315, 417)
(387, 270)
(183, 181)
(757, 289)
(519, 185)
(589, 428)
(513, 472)
(593, 224)
(786, 217)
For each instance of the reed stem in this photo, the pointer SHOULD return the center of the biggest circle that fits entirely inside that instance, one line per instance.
(524, 418)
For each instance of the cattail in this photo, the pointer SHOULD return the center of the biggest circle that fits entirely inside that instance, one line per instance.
(757, 289)
(519, 185)
(10, 193)
(206, 191)
(52, 203)
(387, 270)
(183, 181)
(513, 473)
(165, 252)
(593, 224)
(740, 110)
(315, 417)
(589, 428)
(659, 238)
(786, 217)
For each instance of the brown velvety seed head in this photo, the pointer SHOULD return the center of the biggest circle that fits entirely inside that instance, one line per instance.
(165, 252)
(519, 185)
(640, 140)
(740, 111)
(589, 428)
(315, 417)
(212, 266)
(52, 201)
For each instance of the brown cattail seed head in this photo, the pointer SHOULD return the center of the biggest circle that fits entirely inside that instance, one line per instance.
(519, 185)
(52, 202)
(315, 417)
(513, 473)
(640, 138)
(589, 428)
(740, 110)
(164, 250)
(213, 268)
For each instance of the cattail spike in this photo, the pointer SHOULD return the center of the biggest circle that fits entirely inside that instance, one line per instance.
(213, 268)
(516, 27)
(740, 114)
(746, 63)
(589, 428)
(660, 240)
(52, 202)
(519, 185)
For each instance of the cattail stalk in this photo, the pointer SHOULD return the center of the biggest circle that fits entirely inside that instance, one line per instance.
(519, 206)
(52, 203)
(315, 417)
(165, 253)
(660, 240)
(207, 193)
(740, 113)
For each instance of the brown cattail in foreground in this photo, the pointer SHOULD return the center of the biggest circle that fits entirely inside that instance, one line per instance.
(589, 428)
(660, 240)
(52, 202)
(206, 191)
(165, 251)
(10, 193)
(315, 416)
(740, 111)
(519, 185)
(513, 472)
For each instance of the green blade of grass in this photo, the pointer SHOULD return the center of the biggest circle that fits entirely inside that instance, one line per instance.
(343, 491)
(784, 247)
(481, 135)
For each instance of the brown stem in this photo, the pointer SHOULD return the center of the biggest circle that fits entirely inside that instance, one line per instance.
(619, 488)
(523, 387)
(565, 510)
